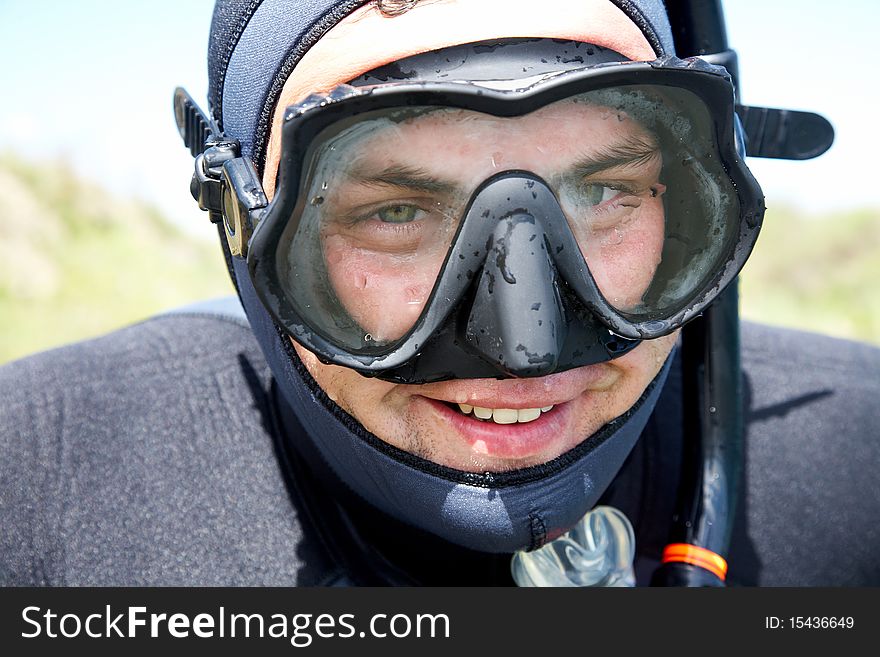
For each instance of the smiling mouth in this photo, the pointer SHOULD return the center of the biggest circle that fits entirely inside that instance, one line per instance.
(501, 434)
(500, 415)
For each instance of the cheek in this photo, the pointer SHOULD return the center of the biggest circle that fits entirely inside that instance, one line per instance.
(647, 359)
(632, 373)
(638, 368)
(385, 295)
(379, 406)
(346, 387)
(623, 260)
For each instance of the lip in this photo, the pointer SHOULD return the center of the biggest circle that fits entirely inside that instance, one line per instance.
(539, 392)
(509, 441)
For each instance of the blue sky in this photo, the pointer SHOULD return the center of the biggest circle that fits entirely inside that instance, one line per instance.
(91, 82)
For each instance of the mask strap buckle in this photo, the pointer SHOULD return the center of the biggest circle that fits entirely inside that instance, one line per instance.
(207, 182)
(224, 184)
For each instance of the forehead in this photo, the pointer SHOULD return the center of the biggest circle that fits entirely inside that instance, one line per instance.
(455, 137)
(570, 116)
(365, 40)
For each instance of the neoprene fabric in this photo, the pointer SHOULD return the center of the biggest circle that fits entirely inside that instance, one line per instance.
(149, 457)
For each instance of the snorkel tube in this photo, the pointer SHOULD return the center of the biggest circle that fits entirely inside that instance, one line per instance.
(713, 443)
(712, 459)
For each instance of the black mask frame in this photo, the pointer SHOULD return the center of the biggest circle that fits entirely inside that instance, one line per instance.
(433, 349)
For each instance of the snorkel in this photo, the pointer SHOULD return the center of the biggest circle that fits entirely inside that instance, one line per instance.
(712, 460)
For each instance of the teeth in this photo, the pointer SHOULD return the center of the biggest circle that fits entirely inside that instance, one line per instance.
(504, 415)
(528, 414)
(482, 413)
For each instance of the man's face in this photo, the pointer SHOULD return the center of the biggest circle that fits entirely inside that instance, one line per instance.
(394, 198)
(383, 245)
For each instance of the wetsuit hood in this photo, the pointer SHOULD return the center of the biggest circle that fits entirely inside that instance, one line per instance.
(253, 48)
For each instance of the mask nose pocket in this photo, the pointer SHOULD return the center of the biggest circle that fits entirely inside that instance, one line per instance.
(516, 321)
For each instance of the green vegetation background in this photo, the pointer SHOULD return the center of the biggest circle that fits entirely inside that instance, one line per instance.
(77, 262)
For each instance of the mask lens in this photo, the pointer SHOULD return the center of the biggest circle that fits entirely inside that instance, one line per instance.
(635, 169)
(375, 228)
(650, 204)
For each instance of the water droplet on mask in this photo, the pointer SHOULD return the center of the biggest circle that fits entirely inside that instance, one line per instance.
(317, 200)
(368, 337)
(415, 296)
(615, 238)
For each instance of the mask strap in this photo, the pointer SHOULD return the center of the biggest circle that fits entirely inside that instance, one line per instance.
(224, 184)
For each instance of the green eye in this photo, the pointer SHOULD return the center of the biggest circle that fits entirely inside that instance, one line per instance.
(398, 214)
(593, 194)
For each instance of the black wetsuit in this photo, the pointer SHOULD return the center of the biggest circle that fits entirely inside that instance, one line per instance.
(161, 455)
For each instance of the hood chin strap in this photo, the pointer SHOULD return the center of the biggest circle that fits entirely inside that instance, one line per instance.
(486, 512)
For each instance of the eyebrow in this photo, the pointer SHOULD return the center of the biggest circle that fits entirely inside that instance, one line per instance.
(404, 177)
(631, 150)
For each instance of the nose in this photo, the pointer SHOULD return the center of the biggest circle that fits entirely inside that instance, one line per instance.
(517, 319)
